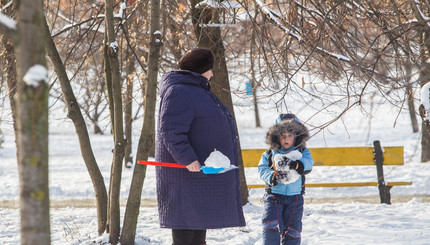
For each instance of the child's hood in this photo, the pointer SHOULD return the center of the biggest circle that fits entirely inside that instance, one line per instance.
(293, 126)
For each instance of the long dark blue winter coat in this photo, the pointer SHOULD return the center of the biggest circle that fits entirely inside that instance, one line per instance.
(192, 123)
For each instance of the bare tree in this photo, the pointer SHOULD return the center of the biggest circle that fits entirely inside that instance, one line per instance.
(128, 111)
(113, 73)
(210, 37)
(356, 48)
(147, 137)
(75, 114)
(31, 120)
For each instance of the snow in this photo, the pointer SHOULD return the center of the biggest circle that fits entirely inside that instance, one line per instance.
(114, 46)
(8, 22)
(350, 216)
(122, 8)
(35, 75)
(217, 4)
(217, 160)
(275, 17)
(425, 99)
(291, 174)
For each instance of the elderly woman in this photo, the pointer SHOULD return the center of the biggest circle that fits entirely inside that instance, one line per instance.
(192, 123)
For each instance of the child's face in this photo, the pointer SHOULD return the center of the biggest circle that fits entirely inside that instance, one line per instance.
(286, 140)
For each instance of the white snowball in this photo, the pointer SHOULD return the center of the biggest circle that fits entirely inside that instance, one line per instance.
(217, 160)
(292, 175)
(294, 155)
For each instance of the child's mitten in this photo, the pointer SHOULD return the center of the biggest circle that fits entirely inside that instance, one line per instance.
(274, 179)
(298, 166)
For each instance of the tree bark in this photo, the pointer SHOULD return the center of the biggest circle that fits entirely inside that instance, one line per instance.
(128, 101)
(253, 78)
(425, 78)
(75, 114)
(210, 37)
(108, 77)
(425, 125)
(147, 135)
(411, 106)
(128, 110)
(118, 152)
(32, 124)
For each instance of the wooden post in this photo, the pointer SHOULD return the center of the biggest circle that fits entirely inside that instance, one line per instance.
(384, 191)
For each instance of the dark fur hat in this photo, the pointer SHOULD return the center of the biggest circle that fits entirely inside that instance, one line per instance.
(198, 60)
(293, 126)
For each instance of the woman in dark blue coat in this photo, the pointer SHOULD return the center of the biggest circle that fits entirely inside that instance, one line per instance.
(192, 123)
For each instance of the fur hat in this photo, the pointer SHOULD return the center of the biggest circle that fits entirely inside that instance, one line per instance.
(198, 60)
(288, 123)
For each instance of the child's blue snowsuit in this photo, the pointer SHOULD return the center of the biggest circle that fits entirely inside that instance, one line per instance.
(283, 204)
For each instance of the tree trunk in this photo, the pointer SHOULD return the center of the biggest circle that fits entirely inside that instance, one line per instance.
(424, 42)
(32, 124)
(75, 114)
(108, 77)
(253, 79)
(425, 78)
(147, 135)
(118, 152)
(128, 103)
(411, 107)
(128, 110)
(410, 95)
(425, 139)
(210, 37)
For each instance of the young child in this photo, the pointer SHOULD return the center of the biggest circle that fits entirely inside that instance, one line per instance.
(282, 168)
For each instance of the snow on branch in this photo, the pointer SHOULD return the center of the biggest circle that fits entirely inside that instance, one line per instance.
(276, 18)
(36, 75)
(122, 8)
(419, 14)
(216, 4)
(7, 5)
(282, 24)
(8, 27)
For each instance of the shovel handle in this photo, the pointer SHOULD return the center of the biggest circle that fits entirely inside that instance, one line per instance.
(162, 164)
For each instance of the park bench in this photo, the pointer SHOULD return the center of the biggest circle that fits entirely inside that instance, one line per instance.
(346, 156)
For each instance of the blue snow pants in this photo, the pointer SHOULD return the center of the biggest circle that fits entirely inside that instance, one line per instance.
(282, 219)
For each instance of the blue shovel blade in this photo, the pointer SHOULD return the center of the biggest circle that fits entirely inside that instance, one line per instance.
(212, 170)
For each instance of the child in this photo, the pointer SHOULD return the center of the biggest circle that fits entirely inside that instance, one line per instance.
(283, 201)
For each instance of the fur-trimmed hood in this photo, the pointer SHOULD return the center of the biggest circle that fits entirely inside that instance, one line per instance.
(293, 126)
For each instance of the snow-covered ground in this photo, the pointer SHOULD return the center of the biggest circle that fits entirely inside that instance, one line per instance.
(344, 221)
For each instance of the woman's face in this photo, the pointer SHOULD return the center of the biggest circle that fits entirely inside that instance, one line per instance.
(286, 140)
(208, 74)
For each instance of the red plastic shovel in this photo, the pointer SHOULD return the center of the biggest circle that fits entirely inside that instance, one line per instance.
(205, 169)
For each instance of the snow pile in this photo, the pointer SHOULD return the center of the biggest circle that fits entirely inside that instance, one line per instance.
(291, 174)
(217, 160)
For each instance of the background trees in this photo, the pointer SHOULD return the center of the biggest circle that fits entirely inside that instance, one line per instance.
(105, 55)
(356, 47)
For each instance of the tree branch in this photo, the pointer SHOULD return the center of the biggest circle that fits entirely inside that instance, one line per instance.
(9, 28)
